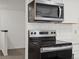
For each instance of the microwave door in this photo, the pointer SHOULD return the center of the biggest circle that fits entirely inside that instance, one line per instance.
(46, 11)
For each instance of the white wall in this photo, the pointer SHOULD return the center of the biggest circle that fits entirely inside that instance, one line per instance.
(12, 18)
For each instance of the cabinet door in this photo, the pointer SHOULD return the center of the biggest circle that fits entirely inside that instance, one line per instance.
(76, 56)
(71, 11)
(76, 51)
(75, 28)
(76, 48)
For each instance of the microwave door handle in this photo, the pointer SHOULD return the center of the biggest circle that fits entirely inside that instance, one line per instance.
(59, 11)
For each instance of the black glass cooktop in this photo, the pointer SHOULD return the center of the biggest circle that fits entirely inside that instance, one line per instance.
(52, 43)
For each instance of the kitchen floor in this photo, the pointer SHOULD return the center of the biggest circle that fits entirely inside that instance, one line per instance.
(14, 54)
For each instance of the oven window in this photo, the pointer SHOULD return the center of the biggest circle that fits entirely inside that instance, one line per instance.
(47, 11)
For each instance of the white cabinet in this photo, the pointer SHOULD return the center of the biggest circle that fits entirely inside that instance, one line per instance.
(76, 51)
(71, 11)
(75, 29)
(76, 48)
(76, 56)
(76, 40)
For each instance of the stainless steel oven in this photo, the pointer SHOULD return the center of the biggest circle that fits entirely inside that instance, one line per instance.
(46, 10)
(43, 45)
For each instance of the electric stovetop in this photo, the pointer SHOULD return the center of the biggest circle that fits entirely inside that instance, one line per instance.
(52, 43)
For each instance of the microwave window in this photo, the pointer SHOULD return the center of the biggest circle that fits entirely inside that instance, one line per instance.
(47, 11)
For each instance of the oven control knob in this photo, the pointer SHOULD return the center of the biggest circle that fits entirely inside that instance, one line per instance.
(54, 32)
(31, 33)
(35, 33)
(51, 32)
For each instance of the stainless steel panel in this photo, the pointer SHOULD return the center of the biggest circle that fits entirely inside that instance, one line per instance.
(48, 19)
(36, 33)
(49, 2)
(49, 49)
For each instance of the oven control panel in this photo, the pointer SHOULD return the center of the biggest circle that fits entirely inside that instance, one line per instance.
(42, 33)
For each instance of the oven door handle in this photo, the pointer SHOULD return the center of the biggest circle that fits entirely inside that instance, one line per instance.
(49, 49)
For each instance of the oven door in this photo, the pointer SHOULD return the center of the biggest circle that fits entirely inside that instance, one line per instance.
(57, 54)
(49, 12)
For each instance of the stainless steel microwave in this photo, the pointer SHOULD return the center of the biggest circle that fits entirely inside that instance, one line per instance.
(46, 10)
